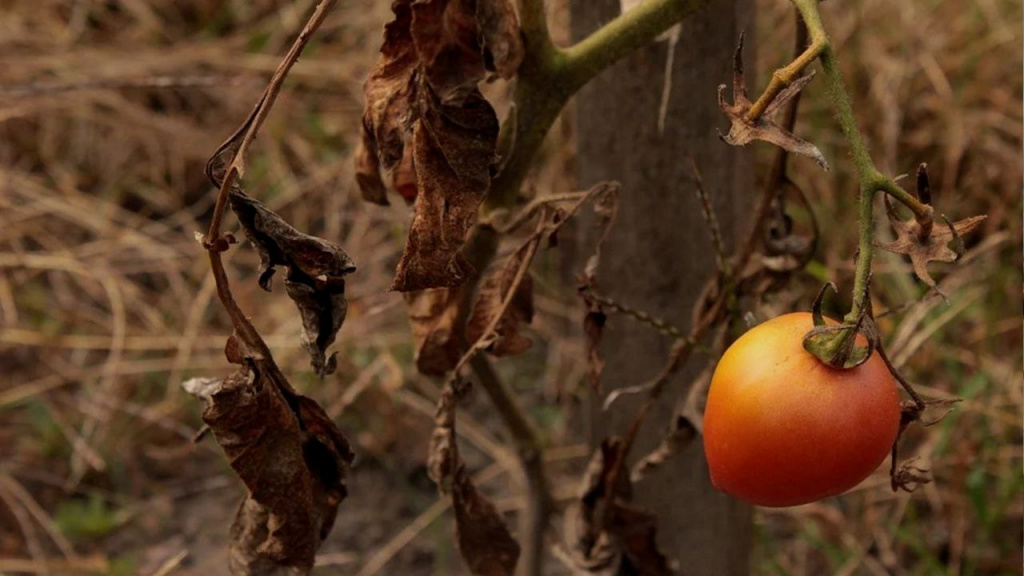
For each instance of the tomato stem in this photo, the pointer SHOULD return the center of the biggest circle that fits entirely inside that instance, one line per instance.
(871, 179)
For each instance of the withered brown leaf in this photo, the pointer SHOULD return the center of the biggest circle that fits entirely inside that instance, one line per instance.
(315, 279)
(502, 38)
(453, 149)
(371, 185)
(680, 434)
(604, 529)
(593, 331)
(635, 529)
(492, 293)
(449, 47)
(436, 330)
(292, 459)
(484, 539)
(390, 89)
(933, 247)
(742, 131)
(424, 87)
(404, 178)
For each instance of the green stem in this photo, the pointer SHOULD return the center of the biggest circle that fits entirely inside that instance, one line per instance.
(871, 179)
(630, 31)
(549, 76)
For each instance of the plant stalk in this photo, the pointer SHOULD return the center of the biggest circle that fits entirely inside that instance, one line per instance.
(871, 179)
(549, 76)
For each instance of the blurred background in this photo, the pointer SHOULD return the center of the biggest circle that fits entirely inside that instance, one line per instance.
(108, 113)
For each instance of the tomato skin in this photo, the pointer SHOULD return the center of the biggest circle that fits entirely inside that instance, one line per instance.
(782, 429)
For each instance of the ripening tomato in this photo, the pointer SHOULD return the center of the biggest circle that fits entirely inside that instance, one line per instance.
(782, 429)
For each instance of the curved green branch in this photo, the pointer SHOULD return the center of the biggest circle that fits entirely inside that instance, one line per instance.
(549, 76)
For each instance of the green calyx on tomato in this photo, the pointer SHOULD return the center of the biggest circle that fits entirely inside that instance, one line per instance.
(836, 345)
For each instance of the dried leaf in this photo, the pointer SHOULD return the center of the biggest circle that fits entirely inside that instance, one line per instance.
(404, 178)
(605, 468)
(489, 301)
(484, 540)
(453, 149)
(291, 458)
(449, 48)
(934, 246)
(220, 162)
(426, 82)
(786, 250)
(593, 330)
(636, 531)
(680, 435)
(436, 331)
(390, 93)
(742, 131)
(391, 88)
(606, 209)
(604, 530)
(371, 186)
(502, 37)
(316, 274)
(908, 477)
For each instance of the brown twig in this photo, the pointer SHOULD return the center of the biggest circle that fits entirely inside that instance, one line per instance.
(661, 326)
(709, 216)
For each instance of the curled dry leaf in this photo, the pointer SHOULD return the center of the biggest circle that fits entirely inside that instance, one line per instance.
(593, 331)
(743, 131)
(904, 475)
(607, 534)
(489, 301)
(680, 434)
(403, 178)
(484, 539)
(605, 209)
(453, 150)
(424, 88)
(371, 186)
(943, 243)
(291, 458)
(907, 477)
(390, 90)
(449, 48)
(436, 330)
(368, 175)
(785, 248)
(316, 274)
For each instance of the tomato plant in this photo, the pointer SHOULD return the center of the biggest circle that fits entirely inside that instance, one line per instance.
(781, 428)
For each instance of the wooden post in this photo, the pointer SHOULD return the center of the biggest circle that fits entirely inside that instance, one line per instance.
(660, 254)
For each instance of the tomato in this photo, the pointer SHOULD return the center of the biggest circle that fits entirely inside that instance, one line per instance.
(782, 429)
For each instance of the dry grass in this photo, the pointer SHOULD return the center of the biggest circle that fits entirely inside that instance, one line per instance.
(108, 112)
